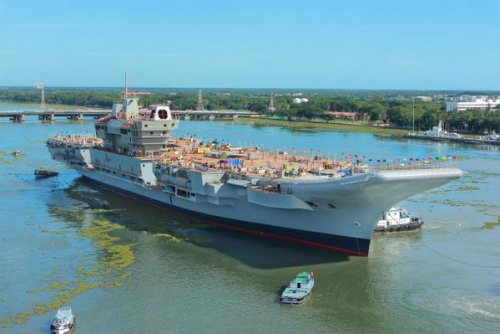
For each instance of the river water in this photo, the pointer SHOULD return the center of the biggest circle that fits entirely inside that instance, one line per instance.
(126, 267)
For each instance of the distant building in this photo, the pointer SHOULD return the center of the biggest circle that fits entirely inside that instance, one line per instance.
(298, 100)
(465, 102)
(424, 98)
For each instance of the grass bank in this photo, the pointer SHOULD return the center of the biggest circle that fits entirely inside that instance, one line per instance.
(334, 126)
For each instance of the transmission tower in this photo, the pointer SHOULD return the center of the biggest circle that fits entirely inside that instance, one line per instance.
(199, 104)
(42, 99)
(271, 107)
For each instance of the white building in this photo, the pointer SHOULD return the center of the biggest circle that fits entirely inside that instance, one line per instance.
(300, 100)
(465, 102)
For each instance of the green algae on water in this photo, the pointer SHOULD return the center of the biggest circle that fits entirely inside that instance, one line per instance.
(491, 225)
(74, 214)
(107, 274)
(58, 300)
(116, 256)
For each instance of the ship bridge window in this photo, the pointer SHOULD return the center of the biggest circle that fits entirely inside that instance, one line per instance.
(152, 115)
(162, 114)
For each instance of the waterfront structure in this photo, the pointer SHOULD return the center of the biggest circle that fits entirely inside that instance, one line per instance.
(438, 133)
(312, 200)
(464, 102)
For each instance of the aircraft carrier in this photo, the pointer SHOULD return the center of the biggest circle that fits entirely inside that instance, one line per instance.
(315, 201)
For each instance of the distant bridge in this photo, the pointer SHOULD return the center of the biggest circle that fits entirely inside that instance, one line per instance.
(78, 115)
(50, 115)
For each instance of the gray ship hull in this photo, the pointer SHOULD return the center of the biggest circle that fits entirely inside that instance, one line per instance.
(336, 214)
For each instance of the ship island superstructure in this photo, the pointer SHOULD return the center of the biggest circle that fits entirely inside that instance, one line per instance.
(314, 200)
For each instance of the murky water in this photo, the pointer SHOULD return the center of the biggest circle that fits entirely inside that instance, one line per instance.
(126, 267)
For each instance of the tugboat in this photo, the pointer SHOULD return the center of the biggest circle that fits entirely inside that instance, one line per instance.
(298, 289)
(398, 219)
(44, 173)
(64, 321)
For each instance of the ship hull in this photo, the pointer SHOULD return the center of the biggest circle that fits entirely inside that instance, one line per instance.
(344, 244)
(335, 214)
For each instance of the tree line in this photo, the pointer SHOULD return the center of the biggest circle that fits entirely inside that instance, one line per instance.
(394, 107)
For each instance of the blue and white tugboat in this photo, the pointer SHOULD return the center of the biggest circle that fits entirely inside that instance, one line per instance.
(398, 219)
(64, 321)
(298, 289)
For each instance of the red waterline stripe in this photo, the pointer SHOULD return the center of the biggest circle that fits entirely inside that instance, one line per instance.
(234, 228)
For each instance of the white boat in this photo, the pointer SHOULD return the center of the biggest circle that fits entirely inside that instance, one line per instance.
(440, 132)
(398, 219)
(491, 136)
(64, 321)
(436, 133)
(298, 289)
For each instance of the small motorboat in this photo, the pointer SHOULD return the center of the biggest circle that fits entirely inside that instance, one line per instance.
(298, 289)
(64, 321)
(398, 219)
(17, 153)
(44, 173)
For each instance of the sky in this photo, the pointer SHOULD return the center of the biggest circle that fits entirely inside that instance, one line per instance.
(315, 44)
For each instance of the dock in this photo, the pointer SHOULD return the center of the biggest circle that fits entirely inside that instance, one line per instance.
(463, 140)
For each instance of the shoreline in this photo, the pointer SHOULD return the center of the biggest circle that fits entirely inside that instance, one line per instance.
(333, 126)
